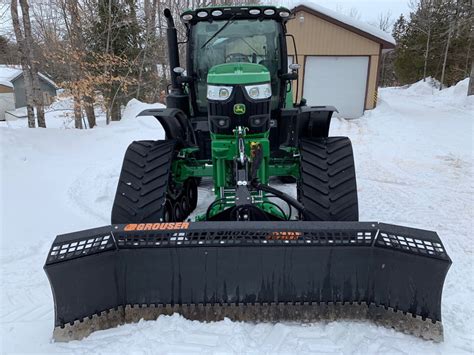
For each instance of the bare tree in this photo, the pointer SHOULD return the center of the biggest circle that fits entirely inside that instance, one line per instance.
(34, 97)
(385, 21)
(352, 12)
(470, 89)
(445, 59)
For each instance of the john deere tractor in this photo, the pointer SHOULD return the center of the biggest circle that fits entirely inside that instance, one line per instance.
(254, 253)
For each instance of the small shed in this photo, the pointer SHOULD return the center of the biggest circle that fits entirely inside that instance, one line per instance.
(12, 82)
(339, 57)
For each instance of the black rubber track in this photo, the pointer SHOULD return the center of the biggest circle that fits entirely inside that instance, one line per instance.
(327, 185)
(143, 183)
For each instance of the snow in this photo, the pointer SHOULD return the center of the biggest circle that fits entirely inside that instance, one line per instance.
(6, 83)
(414, 158)
(60, 114)
(134, 107)
(455, 95)
(374, 31)
(8, 72)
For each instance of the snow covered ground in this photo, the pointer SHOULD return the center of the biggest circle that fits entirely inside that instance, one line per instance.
(414, 157)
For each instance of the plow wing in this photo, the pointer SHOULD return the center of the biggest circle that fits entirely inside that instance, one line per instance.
(248, 271)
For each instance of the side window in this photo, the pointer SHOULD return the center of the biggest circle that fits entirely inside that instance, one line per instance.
(46, 98)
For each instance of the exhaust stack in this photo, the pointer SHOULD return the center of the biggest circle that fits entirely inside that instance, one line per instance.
(173, 54)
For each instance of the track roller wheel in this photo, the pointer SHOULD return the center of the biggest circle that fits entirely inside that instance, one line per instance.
(191, 193)
(178, 213)
(168, 215)
(184, 204)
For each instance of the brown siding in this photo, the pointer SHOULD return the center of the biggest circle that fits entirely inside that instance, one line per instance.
(316, 36)
(372, 84)
(4, 89)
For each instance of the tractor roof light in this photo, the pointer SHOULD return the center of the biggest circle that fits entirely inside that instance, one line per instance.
(254, 11)
(269, 12)
(216, 13)
(284, 14)
(187, 17)
(179, 70)
(201, 14)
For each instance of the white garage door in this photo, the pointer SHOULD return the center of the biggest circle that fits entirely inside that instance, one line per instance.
(337, 81)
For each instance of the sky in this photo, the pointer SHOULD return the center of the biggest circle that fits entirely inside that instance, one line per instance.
(369, 10)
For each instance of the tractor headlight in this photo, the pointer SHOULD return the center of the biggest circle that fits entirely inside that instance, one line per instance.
(258, 92)
(218, 92)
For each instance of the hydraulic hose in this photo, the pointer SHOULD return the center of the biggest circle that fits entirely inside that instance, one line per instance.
(290, 200)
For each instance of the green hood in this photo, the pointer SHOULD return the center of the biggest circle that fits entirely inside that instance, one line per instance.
(238, 73)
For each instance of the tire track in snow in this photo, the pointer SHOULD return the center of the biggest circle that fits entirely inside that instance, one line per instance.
(93, 192)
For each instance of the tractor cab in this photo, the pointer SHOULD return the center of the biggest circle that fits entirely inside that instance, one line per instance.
(226, 35)
(250, 41)
(236, 70)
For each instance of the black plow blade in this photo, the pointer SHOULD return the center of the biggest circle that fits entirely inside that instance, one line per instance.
(248, 271)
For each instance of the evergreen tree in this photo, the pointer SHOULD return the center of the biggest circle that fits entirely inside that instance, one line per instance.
(115, 36)
(436, 30)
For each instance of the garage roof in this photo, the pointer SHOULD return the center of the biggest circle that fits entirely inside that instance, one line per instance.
(8, 74)
(6, 83)
(361, 28)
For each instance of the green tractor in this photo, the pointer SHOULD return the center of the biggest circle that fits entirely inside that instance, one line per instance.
(255, 253)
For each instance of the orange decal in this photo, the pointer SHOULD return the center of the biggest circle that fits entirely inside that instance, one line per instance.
(130, 227)
(283, 236)
(156, 226)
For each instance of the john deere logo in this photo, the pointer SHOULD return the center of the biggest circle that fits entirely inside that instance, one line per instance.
(239, 109)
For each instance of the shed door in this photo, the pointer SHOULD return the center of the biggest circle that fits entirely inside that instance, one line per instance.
(336, 81)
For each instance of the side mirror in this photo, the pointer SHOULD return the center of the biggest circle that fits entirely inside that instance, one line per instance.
(294, 66)
(184, 79)
(289, 76)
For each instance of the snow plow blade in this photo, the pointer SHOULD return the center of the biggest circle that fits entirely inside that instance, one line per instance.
(248, 271)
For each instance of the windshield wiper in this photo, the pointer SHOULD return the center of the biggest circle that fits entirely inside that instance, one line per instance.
(217, 32)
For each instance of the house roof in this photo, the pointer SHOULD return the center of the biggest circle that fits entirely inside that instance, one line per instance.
(9, 73)
(361, 28)
(6, 83)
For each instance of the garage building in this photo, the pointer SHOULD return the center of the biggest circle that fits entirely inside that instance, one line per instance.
(13, 92)
(7, 98)
(339, 57)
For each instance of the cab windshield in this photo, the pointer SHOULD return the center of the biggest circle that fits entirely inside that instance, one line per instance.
(251, 41)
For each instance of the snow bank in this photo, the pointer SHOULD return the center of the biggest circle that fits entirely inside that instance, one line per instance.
(60, 114)
(428, 91)
(427, 87)
(135, 107)
(457, 94)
